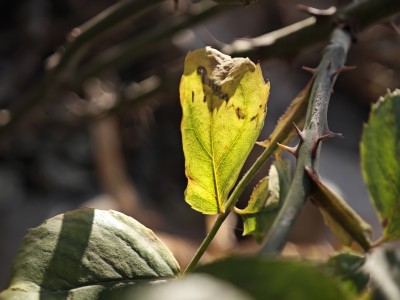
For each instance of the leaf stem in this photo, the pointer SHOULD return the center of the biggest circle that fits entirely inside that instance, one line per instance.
(315, 130)
(206, 242)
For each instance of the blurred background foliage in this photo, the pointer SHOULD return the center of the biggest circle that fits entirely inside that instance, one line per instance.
(98, 143)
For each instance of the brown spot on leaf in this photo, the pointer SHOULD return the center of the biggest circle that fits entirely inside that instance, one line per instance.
(239, 113)
(253, 118)
(192, 96)
(216, 89)
(203, 73)
(205, 99)
(385, 222)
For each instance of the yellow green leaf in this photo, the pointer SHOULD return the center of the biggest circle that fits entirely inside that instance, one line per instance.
(265, 201)
(224, 105)
(345, 223)
(380, 162)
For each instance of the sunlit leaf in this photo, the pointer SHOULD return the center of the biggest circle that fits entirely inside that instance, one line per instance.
(86, 253)
(224, 105)
(380, 161)
(265, 201)
(265, 278)
(347, 225)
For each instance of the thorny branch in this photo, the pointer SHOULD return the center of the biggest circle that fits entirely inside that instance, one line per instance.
(315, 130)
(316, 126)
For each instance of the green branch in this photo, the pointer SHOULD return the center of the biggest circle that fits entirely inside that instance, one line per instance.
(315, 130)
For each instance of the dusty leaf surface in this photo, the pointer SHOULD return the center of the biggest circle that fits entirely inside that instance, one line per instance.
(87, 254)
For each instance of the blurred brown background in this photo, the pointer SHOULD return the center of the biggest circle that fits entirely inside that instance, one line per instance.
(59, 158)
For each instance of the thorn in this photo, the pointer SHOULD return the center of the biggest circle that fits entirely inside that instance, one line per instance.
(291, 150)
(317, 12)
(330, 134)
(342, 70)
(327, 135)
(299, 132)
(346, 68)
(310, 70)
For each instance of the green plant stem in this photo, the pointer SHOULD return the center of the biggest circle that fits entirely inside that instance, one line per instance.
(315, 129)
(206, 242)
